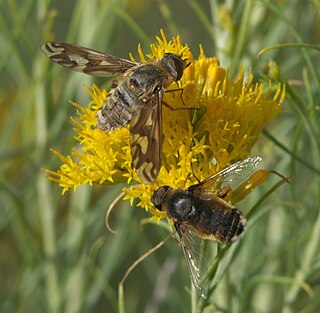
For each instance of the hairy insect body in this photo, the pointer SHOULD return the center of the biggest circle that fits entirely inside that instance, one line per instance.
(220, 224)
(118, 109)
(202, 211)
(210, 216)
(130, 95)
(135, 98)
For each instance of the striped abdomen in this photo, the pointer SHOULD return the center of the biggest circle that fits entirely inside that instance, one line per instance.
(219, 221)
(118, 109)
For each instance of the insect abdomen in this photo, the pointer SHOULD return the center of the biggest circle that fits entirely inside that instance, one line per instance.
(118, 109)
(220, 223)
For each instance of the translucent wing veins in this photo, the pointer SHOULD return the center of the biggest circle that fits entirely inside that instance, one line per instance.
(231, 176)
(191, 246)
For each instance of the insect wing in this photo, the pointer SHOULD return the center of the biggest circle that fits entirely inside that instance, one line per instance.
(196, 256)
(86, 60)
(146, 139)
(231, 176)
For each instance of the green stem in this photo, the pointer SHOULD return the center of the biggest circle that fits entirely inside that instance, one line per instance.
(292, 154)
(46, 209)
(242, 36)
(310, 253)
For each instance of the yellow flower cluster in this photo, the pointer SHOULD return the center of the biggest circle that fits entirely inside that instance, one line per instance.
(222, 123)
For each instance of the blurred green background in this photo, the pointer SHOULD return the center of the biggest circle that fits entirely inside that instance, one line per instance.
(56, 254)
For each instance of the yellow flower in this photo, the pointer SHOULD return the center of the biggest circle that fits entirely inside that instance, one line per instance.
(226, 123)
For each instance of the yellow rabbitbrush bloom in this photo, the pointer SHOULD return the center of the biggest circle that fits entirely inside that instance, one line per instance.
(225, 124)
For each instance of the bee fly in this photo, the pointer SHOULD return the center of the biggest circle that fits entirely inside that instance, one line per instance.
(202, 212)
(134, 99)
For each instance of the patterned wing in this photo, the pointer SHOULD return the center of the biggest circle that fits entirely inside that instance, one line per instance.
(146, 139)
(196, 255)
(86, 60)
(230, 177)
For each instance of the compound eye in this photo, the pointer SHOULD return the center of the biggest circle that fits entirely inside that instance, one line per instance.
(175, 65)
(158, 196)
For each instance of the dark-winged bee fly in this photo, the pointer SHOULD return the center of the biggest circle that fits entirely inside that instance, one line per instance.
(135, 98)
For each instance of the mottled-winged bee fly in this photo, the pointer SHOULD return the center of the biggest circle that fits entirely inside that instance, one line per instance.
(201, 211)
(134, 99)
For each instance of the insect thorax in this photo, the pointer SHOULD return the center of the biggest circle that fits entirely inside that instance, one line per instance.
(180, 205)
(145, 78)
(130, 95)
